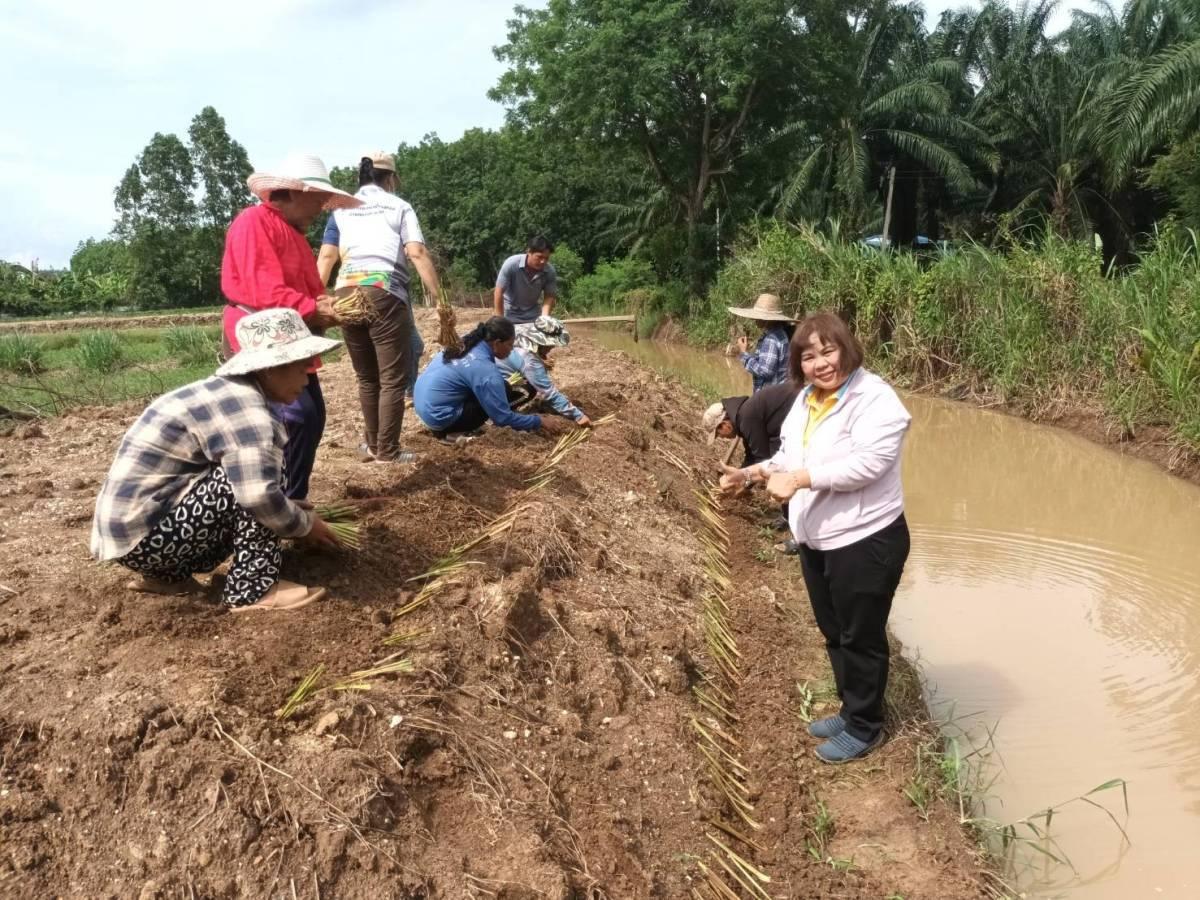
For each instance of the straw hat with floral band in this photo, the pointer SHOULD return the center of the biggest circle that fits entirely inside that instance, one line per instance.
(766, 308)
(544, 331)
(273, 337)
(303, 173)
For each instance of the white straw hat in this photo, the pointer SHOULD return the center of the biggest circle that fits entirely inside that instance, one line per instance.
(300, 172)
(767, 307)
(273, 337)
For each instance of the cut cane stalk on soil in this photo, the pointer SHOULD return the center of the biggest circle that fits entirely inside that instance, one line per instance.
(302, 694)
(731, 876)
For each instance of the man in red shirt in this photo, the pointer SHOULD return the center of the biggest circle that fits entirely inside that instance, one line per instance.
(268, 264)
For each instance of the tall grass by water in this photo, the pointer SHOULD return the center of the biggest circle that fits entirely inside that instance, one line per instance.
(1040, 327)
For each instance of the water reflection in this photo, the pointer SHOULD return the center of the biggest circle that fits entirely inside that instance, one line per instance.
(1052, 591)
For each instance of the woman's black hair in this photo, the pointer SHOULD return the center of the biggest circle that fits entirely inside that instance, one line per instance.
(368, 174)
(497, 328)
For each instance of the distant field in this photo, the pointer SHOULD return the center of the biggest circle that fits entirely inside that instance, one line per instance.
(47, 373)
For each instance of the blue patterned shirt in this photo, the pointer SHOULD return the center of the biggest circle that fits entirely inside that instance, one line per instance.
(178, 440)
(768, 364)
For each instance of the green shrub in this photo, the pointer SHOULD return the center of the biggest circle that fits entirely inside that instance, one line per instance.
(607, 289)
(22, 354)
(100, 351)
(568, 266)
(191, 345)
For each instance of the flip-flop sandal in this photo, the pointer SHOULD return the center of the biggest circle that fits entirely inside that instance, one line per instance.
(143, 585)
(284, 595)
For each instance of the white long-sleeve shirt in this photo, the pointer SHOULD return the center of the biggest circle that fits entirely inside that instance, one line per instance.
(853, 460)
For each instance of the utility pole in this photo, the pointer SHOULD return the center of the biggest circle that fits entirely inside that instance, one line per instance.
(887, 212)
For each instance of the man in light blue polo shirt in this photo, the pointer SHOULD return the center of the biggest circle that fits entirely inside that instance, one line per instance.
(527, 286)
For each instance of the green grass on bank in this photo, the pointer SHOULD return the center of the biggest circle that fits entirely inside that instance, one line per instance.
(1034, 326)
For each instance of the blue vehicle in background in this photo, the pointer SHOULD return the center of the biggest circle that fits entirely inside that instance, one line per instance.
(920, 243)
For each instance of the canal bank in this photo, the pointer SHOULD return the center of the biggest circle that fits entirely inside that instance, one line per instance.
(1050, 600)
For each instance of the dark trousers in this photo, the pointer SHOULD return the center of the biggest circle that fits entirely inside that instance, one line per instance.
(305, 421)
(383, 357)
(473, 416)
(851, 591)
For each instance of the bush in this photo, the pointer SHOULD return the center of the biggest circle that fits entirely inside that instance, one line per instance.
(21, 354)
(190, 345)
(608, 288)
(568, 265)
(100, 351)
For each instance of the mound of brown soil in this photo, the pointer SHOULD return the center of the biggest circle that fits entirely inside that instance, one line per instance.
(541, 745)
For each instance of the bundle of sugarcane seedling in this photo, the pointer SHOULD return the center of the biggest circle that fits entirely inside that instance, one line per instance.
(447, 330)
(342, 519)
(354, 308)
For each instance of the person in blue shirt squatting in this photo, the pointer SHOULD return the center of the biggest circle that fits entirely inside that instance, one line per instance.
(527, 285)
(531, 358)
(460, 390)
(768, 364)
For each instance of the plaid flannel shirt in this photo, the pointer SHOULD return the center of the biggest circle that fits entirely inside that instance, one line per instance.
(179, 438)
(768, 364)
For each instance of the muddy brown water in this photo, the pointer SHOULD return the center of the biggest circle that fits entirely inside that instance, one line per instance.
(1052, 600)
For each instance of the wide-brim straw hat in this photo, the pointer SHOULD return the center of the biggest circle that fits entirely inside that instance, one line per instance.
(545, 331)
(273, 337)
(304, 173)
(767, 308)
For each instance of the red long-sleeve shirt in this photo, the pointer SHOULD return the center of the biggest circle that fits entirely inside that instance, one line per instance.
(267, 265)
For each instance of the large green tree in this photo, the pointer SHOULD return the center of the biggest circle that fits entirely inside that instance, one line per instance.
(687, 84)
(895, 113)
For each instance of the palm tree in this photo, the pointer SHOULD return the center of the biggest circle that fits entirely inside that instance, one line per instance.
(898, 112)
(1153, 52)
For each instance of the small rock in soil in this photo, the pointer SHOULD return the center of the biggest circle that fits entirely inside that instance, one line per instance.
(326, 723)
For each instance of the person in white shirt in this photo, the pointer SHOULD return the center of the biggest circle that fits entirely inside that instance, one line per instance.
(375, 247)
(838, 468)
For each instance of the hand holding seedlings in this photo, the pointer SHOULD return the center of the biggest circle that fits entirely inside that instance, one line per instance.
(322, 534)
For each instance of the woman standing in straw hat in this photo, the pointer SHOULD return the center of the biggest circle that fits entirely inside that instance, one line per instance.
(269, 265)
(200, 476)
(375, 243)
(768, 364)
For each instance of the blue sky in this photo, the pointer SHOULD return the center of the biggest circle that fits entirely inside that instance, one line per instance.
(89, 82)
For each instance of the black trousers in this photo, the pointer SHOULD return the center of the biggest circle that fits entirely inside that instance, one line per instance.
(851, 591)
(473, 416)
(304, 419)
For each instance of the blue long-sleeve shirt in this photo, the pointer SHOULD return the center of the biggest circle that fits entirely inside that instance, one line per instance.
(533, 370)
(768, 364)
(444, 386)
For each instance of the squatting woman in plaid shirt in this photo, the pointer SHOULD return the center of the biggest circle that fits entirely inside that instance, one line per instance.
(201, 476)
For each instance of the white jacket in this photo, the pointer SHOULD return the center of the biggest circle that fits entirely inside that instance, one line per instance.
(853, 459)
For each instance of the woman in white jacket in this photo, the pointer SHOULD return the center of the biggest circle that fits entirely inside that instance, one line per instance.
(838, 467)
